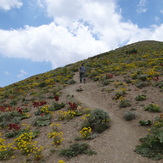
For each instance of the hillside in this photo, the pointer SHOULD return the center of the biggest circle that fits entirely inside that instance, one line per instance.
(126, 84)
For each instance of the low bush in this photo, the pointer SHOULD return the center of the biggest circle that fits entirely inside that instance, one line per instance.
(42, 121)
(145, 123)
(129, 116)
(152, 108)
(124, 103)
(152, 144)
(141, 84)
(76, 149)
(98, 121)
(56, 106)
(140, 97)
(71, 82)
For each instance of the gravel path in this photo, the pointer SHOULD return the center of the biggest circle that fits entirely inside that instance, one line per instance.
(117, 144)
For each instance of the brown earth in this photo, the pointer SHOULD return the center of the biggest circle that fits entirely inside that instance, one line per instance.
(116, 144)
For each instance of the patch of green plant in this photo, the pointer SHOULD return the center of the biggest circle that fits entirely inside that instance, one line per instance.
(42, 121)
(128, 81)
(7, 117)
(105, 82)
(41, 85)
(6, 154)
(35, 133)
(13, 102)
(143, 77)
(145, 123)
(78, 112)
(11, 134)
(16, 120)
(124, 103)
(56, 106)
(140, 97)
(76, 149)
(152, 144)
(129, 115)
(71, 82)
(25, 110)
(119, 94)
(132, 51)
(152, 108)
(98, 120)
(141, 84)
(159, 84)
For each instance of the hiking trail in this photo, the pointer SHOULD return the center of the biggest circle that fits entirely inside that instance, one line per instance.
(116, 144)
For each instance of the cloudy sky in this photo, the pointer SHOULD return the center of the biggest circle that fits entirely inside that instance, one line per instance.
(39, 35)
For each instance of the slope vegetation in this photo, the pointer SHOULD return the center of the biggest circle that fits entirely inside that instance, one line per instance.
(45, 114)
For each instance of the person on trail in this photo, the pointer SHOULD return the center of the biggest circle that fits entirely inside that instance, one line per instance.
(82, 71)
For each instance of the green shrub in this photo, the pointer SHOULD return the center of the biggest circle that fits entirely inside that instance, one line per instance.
(140, 97)
(124, 103)
(129, 116)
(152, 144)
(98, 121)
(141, 84)
(56, 106)
(41, 85)
(119, 94)
(76, 149)
(99, 128)
(159, 84)
(42, 121)
(6, 154)
(143, 77)
(11, 134)
(71, 82)
(152, 108)
(105, 82)
(8, 117)
(128, 81)
(145, 123)
(13, 102)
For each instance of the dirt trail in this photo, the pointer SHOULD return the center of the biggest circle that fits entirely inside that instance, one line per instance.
(115, 145)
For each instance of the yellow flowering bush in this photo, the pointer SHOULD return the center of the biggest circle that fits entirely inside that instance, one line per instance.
(86, 132)
(37, 152)
(6, 150)
(57, 137)
(61, 161)
(24, 143)
(70, 114)
(119, 94)
(66, 114)
(45, 109)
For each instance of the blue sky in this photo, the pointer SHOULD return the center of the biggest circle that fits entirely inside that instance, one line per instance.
(40, 35)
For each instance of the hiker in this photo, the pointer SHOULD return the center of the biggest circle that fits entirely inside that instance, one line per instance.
(82, 71)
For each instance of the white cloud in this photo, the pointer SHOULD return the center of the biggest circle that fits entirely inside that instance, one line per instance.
(161, 11)
(80, 30)
(142, 6)
(8, 4)
(22, 73)
(6, 73)
(157, 19)
(50, 43)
